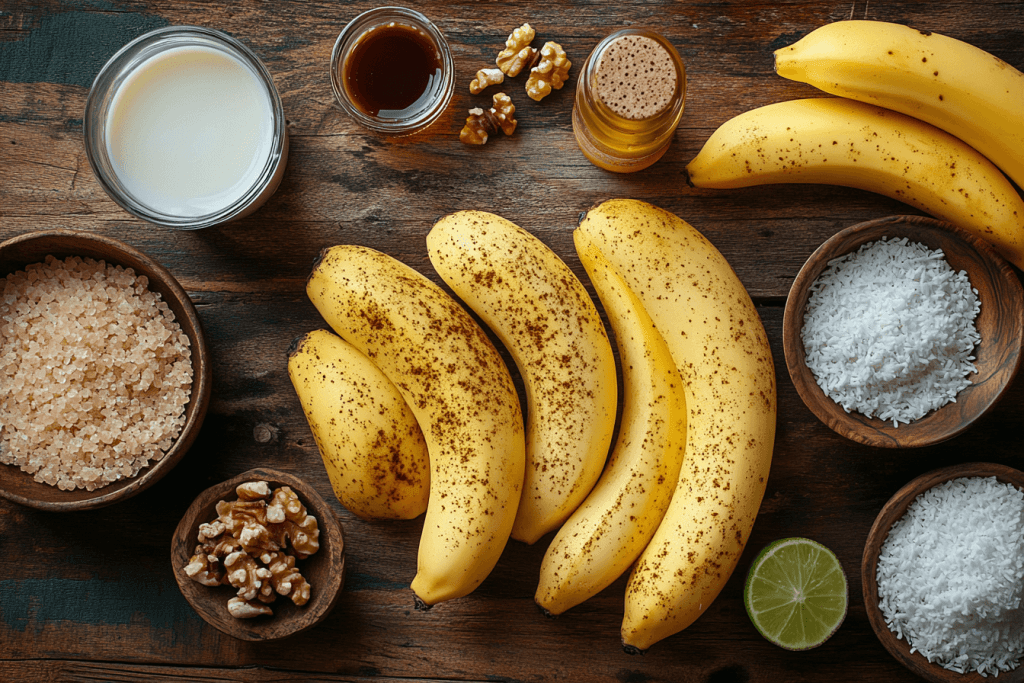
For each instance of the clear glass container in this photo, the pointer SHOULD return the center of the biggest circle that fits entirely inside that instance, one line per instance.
(165, 89)
(633, 132)
(439, 86)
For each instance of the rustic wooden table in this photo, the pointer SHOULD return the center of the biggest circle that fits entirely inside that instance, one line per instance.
(91, 596)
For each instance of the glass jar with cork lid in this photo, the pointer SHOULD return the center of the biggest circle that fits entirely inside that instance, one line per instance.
(629, 100)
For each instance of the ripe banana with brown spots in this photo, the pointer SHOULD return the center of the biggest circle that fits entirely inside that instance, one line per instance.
(546, 319)
(613, 525)
(463, 398)
(948, 83)
(368, 438)
(721, 350)
(836, 141)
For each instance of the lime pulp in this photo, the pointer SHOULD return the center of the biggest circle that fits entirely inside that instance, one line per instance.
(796, 593)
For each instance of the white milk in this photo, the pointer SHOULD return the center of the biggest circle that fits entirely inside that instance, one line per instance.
(189, 131)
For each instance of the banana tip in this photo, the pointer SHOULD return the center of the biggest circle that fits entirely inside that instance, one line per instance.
(686, 177)
(546, 612)
(316, 263)
(420, 605)
(293, 348)
(633, 650)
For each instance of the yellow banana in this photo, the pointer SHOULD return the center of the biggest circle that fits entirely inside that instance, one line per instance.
(461, 394)
(962, 89)
(548, 322)
(610, 529)
(721, 351)
(843, 142)
(371, 445)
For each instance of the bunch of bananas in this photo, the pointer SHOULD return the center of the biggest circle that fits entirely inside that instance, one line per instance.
(459, 392)
(720, 350)
(413, 379)
(922, 118)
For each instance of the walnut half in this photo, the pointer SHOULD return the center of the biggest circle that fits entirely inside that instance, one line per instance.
(517, 52)
(482, 124)
(551, 72)
(484, 79)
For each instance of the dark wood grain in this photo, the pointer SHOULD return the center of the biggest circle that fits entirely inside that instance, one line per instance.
(1000, 325)
(324, 570)
(893, 510)
(91, 595)
(34, 247)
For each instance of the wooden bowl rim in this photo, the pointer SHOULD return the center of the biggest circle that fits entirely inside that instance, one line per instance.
(195, 409)
(325, 594)
(873, 431)
(890, 513)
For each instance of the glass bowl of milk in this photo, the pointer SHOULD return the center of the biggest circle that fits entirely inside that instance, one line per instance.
(185, 129)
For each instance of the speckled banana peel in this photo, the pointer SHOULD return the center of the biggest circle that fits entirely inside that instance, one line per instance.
(371, 446)
(546, 319)
(462, 395)
(721, 351)
(953, 85)
(836, 141)
(610, 529)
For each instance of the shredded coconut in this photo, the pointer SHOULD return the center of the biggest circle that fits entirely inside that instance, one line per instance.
(889, 330)
(951, 574)
(95, 372)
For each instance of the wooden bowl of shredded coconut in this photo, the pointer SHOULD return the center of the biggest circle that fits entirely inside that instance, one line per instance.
(942, 574)
(105, 371)
(882, 317)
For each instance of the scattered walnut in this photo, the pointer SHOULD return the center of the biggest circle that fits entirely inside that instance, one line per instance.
(551, 72)
(482, 124)
(246, 547)
(478, 127)
(504, 110)
(484, 79)
(517, 52)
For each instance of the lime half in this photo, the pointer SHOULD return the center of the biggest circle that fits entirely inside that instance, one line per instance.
(796, 593)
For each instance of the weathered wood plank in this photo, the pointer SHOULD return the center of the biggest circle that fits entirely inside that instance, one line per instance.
(71, 671)
(91, 596)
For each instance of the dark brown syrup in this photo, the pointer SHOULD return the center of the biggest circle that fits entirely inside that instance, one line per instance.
(392, 71)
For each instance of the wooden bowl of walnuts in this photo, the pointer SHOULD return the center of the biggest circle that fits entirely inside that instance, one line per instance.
(250, 561)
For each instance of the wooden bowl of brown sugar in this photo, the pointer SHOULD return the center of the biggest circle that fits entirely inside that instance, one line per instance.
(21, 487)
(324, 569)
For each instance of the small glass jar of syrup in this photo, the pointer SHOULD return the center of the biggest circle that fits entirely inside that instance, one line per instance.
(629, 100)
(392, 71)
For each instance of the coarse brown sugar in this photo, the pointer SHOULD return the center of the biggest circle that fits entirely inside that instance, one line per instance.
(96, 372)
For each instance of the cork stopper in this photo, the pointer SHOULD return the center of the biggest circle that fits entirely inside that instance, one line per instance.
(636, 77)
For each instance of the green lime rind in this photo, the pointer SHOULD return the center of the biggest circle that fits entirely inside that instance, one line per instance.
(796, 593)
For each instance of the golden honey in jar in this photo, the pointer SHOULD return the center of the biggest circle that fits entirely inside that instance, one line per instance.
(629, 100)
